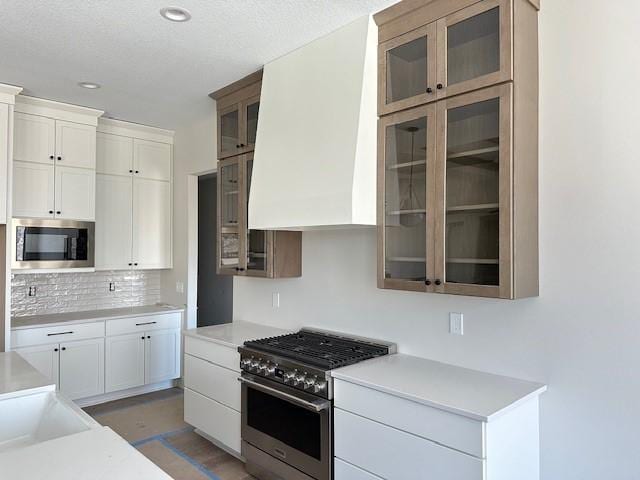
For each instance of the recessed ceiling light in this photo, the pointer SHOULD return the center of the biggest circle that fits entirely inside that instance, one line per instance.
(89, 85)
(175, 14)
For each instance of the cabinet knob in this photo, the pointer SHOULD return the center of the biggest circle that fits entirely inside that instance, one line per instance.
(427, 282)
(58, 212)
(429, 90)
(130, 264)
(51, 157)
(135, 264)
(51, 211)
(130, 171)
(242, 145)
(55, 349)
(238, 146)
(148, 336)
(142, 337)
(137, 171)
(59, 158)
(63, 348)
(438, 282)
(439, 86)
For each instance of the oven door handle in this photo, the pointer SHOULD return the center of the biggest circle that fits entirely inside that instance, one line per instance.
(316, 406)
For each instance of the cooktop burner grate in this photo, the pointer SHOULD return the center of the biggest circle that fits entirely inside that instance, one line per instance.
(318, 349)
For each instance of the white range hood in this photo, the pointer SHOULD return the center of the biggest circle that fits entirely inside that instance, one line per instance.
(315, 154)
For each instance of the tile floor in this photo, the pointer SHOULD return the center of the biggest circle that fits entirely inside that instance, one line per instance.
(153, 423)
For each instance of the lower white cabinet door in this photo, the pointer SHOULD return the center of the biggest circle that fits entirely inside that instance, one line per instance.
(346, 471)
(75, 193)
(151, 224)
(33, 190)
(82, 368)
(124, 362)
(162, 356)
(113, 222)
(43, 358)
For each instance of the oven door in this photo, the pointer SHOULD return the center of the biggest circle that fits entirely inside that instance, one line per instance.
(39, 243)
(291, 426)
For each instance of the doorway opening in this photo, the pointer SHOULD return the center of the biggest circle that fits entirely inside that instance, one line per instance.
(215, 292)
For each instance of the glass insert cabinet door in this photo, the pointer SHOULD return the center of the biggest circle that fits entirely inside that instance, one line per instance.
(408, 70)
(408, 143)
(230, 244)
(474, 47)
(474, 179)
(257, 241)
(228, 131)
(251, 109)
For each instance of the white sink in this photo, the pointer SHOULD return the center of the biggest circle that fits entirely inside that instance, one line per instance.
(35, 418)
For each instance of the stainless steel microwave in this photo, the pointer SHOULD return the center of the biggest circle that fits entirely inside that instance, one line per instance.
(44, 244)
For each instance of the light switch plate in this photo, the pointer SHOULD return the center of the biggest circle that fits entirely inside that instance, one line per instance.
(456, 323)
(275, 300)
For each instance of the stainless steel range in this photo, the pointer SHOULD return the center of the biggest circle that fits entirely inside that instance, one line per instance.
(287, 408)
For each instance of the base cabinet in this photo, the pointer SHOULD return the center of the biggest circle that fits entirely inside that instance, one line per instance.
(43, 358)
(162, 356)
(124, 356)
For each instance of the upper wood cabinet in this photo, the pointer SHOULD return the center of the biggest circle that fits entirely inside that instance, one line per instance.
(458, 166)
(238, 106)
(464, 50)
(245, 252)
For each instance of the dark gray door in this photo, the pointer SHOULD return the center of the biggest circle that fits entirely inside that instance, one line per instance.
(215, 292)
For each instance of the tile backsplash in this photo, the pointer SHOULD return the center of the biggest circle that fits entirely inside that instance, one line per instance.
(73, 292)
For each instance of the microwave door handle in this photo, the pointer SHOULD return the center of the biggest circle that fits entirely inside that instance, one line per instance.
(316, 406)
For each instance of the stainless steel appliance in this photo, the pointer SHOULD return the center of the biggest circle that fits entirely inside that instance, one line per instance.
(287, 407)
(40, 243)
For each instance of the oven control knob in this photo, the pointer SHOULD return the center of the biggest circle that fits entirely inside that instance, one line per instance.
(309, 383)
(245, 363)
(262, 368)
(289, 377)
(271, 370)
(254, 365)
(320, 387)
(299, 381)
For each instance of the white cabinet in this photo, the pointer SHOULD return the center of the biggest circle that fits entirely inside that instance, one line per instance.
(75, 145)
(4, 149)
(151, 160)
(33, 190)
(151, 224)
(54, 159)
(82, 368)
(162, 356)
(75, 193)
(133, 201)
(44, 358)
(34, 139)
(114, 154)
(114, 224)
(124, 357)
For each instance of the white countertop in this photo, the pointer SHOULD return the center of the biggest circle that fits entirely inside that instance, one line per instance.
(477, 395)
(53, 319)
(97, 454)
(233, 334)
(17, 377)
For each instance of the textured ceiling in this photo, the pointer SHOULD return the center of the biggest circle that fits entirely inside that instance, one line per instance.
(151, 70)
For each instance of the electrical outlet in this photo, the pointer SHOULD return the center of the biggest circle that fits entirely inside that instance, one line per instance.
(180, 287)
(32, 291)
(112, 286)
(275, 300)
(456, 323)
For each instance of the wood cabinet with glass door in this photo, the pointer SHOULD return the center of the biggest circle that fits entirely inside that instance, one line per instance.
(444, 48)
(458, 177)
(243, 251)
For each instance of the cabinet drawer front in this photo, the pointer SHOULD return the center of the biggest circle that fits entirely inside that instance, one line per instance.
(63, 333)
(454, 431)
(346, 471)
(397, 455)
(221, 355)
(218, 383)
(220, 422)
(121, 326)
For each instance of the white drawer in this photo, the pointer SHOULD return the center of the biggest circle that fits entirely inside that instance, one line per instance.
(396, 455)
(221, 355)
(64, 333)
(220, 422)
(455, 431)
(146, 323)
(218, 383)
(346, 471)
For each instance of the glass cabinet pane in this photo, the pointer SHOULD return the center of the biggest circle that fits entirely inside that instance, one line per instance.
(252, 122)
(407, 70)
(472, 194)
(256, 239)
(229, 132)
(405, 200)
(229, 195)
(473, 47)
(229, 250)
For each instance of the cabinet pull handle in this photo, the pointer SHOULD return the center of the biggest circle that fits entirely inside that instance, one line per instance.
(130, 264)
(130, 171)
(59, 333)
(51, 211)
(438, 282)
(135, 264)
(142, 337)
(58, 212)
(427, 282)
(55, 349)
(63, 348)
(51, 157)
(439, 86)
(429, 90)
(59, 158)
(145, 323)
(137, 171)
(148, 336)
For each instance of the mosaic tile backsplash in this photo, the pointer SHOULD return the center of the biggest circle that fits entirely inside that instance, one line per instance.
(75, 292)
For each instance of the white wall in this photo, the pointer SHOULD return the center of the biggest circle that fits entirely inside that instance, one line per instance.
(582, 335)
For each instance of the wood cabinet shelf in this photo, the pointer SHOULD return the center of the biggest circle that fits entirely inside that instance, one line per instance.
(458, 84)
